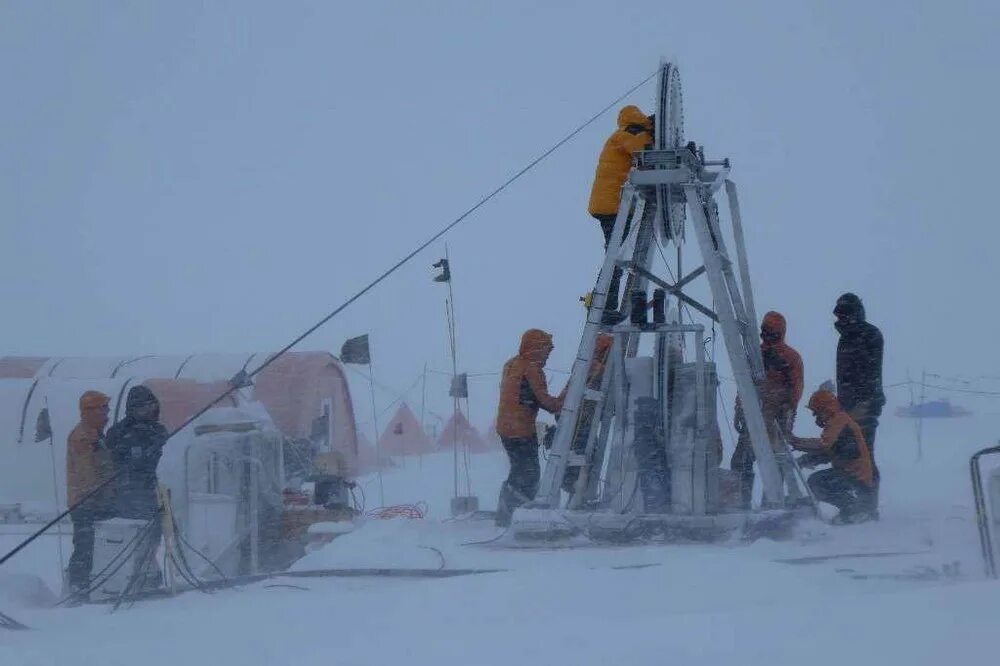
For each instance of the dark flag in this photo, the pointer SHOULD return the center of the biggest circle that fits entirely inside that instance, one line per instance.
(356, 351)
(445, 275)
(43, 428)
(459, 386)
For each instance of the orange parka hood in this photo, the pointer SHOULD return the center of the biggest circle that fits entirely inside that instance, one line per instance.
(775, 323)
(631, 115)
(535, 345)
(92, 415)
(824, 404)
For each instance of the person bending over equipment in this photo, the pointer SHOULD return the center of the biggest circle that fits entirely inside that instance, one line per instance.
(847, 484)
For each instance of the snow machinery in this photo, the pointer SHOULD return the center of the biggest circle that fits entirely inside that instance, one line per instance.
(641, 452)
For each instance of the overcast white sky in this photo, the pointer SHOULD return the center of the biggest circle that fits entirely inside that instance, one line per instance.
(199, 177)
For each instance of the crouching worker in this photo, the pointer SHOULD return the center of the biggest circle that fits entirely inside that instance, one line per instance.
(523, 391)
(847, 484)
(88, 467)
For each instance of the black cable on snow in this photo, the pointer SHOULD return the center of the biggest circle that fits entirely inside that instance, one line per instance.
(243, 377)
(7, 622)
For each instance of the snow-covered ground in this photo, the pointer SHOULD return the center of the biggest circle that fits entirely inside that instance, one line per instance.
(908, 590)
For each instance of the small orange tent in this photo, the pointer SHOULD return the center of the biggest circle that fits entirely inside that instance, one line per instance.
(458, 429)
(403, 435)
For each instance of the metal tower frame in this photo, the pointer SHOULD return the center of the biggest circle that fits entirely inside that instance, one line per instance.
(664, 184)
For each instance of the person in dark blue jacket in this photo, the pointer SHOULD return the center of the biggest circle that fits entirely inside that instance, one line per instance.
(859, 372)
(136, 444)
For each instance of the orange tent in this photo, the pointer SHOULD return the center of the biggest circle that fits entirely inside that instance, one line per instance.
(403, 435)
(458, 429)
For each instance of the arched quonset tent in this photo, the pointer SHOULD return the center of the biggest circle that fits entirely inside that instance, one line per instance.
(298, 389)
(458, 429)
(30, 454)
(403, 435)
(305, 395)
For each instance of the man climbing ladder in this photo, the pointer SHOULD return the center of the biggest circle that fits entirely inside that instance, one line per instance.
(634, 133)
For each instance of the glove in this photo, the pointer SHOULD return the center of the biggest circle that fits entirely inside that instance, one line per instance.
(550, 434)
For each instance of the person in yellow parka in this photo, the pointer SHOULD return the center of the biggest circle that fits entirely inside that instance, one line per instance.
(635, 132)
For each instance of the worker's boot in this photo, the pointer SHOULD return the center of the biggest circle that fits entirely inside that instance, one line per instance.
(611, 314)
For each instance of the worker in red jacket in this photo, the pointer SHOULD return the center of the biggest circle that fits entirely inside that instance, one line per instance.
(780, 392)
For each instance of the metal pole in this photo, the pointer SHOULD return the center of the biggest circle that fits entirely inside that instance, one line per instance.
(982, 514)
(55, 486)
(423, 410)
(741, 358)
(920, 415)
(450, 312)
(741, 251)
(378, 449)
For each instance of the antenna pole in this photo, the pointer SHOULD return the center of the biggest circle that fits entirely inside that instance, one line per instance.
(920, 415)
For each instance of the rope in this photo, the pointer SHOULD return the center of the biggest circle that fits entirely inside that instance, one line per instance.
(343, 306)
(416, 511)
(7, 622)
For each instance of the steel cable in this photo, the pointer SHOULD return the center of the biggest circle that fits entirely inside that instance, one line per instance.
(243, 377)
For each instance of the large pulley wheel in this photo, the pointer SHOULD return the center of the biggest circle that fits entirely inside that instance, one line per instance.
(670, 208)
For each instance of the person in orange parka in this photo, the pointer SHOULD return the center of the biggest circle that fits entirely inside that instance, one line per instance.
(634, 133)
(88, 465)
(780, 392)
(848, 483)
(523, 390)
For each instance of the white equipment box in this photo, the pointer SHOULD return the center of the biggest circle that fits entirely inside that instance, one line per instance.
(111, 537)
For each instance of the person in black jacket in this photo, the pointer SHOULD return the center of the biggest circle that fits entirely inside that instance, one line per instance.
(859, 371)
(136, 444)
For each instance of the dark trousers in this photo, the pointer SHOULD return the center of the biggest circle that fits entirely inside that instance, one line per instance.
(521, 485)
(840, 489)
(608, 226)
(82, 560)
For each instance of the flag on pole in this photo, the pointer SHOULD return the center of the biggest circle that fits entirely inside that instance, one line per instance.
(356, 350)
(43, 427)
(459, 386)
(445, 274)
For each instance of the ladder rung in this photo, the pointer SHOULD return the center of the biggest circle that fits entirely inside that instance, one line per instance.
(576, 460)
(592, 394)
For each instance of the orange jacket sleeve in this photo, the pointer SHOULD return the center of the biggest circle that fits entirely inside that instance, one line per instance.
(536, 380)
(826, 439)
(796, 372)
(631, 143)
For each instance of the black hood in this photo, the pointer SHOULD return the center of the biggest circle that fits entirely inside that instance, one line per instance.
(137, 396)
(851, 307)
